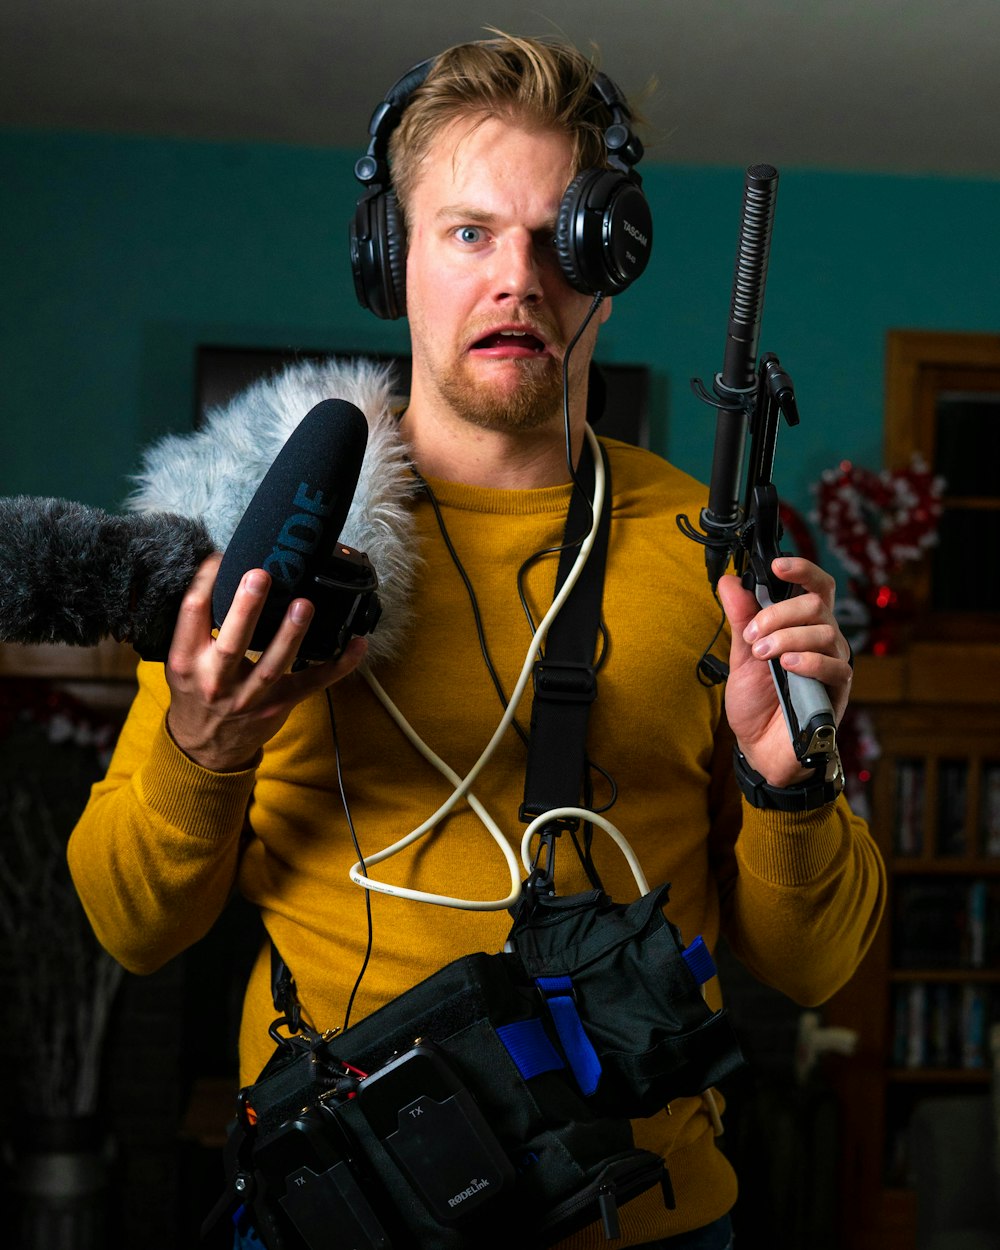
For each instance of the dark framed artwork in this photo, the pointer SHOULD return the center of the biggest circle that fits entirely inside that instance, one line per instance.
(222, 372)
(942, 403)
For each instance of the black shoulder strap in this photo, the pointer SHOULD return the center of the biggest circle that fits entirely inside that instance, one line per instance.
(565, 679)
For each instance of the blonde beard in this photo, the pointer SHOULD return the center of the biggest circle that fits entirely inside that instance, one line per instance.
(534, 403)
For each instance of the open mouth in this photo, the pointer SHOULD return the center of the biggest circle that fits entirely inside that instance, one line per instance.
(510, 342)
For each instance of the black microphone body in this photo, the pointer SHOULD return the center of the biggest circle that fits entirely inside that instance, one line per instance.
(74, 574)
(736, 382)
(292, 525)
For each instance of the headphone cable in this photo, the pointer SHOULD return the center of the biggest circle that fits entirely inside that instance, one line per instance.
(370, 940)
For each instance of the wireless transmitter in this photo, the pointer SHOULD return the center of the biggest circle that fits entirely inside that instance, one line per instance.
(321, 1188)
(429, 1122)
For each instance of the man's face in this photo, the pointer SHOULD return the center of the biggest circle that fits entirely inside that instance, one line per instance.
(489, 309)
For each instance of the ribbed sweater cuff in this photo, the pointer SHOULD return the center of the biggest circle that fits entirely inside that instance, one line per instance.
(790, 848)
(203, 803)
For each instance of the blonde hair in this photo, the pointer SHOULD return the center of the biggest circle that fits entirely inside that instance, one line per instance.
(534, 82)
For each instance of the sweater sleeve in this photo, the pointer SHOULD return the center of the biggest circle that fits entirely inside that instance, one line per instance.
(801, 894)
(155, 852)
(803, 898)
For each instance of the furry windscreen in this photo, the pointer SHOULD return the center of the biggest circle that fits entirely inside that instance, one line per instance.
(211, 473)
(74, 574)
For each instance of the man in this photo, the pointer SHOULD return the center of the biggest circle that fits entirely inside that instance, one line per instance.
(227, 773)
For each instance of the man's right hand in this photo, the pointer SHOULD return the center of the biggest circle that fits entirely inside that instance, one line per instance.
(224, 707)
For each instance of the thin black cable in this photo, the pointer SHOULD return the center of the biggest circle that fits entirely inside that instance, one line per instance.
(597, 301)
(361, 860)
(584, 854)
(710, 670)
(473, 601)
(612, 786)
(577, 484)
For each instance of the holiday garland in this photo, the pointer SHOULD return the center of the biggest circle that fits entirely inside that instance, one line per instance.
(877, 522)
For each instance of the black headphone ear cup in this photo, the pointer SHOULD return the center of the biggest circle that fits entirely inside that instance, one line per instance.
(378, 255)
(570, 232)
(394, 233)
(603, 232)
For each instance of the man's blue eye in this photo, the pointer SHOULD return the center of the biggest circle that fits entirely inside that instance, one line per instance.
(470, 234)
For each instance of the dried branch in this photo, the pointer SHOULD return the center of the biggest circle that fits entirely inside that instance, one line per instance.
(64, 984)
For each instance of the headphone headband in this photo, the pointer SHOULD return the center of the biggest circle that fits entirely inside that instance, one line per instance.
(374, 165)
(604, 231)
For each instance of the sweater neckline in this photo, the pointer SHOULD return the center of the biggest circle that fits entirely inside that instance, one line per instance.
(537, 501)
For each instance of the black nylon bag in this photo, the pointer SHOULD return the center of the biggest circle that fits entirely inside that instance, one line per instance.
(572, 1153)
(641, 1004)
(567, 1158)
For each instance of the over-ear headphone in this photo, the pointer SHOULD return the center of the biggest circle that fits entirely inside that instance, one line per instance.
(604, 229)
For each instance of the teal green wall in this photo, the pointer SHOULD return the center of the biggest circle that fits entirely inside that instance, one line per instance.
(118, 256)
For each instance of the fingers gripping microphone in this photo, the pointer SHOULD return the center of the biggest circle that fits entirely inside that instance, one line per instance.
(291, 530)
(74, 574)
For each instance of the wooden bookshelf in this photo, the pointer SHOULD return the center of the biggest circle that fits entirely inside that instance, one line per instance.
(108, 661)
(101, 677)
(922, 1012)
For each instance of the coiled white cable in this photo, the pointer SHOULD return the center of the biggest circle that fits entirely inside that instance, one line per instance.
(463, 786)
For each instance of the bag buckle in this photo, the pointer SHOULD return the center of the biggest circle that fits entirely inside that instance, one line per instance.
(564, 681)
(549, 987)
(541, 881)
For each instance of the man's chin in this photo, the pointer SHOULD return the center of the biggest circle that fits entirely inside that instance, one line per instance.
(522, 398)
(514, 412)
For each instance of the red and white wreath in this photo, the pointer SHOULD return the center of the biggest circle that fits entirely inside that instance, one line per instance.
(877, 522)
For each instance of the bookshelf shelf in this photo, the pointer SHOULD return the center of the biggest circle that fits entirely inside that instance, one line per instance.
(939, 1076)
(959, 866)
(955, 976)
(108, 661)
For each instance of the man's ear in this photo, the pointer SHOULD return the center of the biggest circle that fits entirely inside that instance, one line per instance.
(604, 312)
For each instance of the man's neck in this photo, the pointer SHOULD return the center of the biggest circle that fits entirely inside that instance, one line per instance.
(446, 447)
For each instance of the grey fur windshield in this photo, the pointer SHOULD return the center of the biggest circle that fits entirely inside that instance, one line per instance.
(212, 473)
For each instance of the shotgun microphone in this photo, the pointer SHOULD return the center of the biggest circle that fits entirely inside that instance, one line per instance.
(735, 384)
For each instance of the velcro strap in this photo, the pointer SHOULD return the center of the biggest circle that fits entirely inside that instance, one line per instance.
(577, 1047)
(529, 1046)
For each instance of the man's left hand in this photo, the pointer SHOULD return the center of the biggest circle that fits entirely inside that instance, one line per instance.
(802, 634)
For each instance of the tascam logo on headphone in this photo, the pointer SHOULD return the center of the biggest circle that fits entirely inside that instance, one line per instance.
(635, 233)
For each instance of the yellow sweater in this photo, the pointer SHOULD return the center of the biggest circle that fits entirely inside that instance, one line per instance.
(162, 841)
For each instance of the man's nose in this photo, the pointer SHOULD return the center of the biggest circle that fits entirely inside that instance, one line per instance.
(518, 269)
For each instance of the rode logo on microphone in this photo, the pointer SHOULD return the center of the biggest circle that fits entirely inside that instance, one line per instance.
(299, 536)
